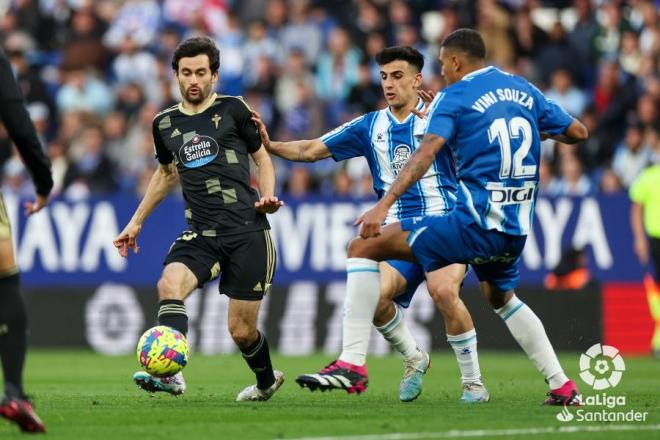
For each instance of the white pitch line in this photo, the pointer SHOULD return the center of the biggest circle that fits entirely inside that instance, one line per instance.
(455, 433)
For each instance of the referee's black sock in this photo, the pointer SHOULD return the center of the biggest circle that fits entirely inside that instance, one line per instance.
(257, 357)
(172, 312)
(13, 335)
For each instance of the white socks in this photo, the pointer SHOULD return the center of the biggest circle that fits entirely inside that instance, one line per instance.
(465, 348)
(528, 330)
(397, 334)
(362, 295)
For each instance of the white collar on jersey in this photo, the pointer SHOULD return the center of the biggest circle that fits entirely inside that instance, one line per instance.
(418, 107)
(478, 72)
(210, 100)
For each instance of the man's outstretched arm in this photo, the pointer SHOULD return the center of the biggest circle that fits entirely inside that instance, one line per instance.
(161, 183)
(298, 151)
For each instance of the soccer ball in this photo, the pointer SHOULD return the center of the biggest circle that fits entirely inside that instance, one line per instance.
(162, 351)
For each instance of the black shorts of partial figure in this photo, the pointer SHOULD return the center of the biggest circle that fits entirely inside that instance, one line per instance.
(655, 257)
(246, 261)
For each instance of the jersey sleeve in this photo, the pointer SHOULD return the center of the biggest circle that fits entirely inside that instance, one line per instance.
(16, 119)
(442, 115)
(246, 127)
(638, 190)
(551, 117)
(163, 155)
(347, 140)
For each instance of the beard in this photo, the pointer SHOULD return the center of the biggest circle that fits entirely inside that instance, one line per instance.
(199, 97)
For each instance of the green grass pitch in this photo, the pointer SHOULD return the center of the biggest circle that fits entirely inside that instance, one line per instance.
(81, 395)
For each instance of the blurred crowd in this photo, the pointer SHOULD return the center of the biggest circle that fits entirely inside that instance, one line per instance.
(95, 73)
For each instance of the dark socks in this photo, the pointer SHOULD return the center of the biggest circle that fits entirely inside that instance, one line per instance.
(257, 357)
(172, 313)
(13, 335)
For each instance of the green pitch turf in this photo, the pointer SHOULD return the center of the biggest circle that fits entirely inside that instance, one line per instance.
(81, 395)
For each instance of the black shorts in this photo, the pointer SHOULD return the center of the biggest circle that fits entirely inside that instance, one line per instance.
(246, 261)
(655, 257)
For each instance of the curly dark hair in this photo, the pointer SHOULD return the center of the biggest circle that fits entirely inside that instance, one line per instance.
(197, 46)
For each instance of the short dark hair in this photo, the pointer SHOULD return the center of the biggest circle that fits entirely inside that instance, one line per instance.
(197, 46)
(467, 41)
(404, 53)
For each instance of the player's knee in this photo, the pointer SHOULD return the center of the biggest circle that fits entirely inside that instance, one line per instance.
(358, 248)
(498, 299)
(167, 288)
(242, 334)
(446, 297)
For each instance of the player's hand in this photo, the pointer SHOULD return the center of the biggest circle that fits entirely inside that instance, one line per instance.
(642, 251)
(32, 207)
(427, 97)
(263, 132)
(127, 239)
(370, 222)
(268, 205)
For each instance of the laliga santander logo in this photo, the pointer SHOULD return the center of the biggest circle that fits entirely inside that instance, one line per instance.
(601, 367)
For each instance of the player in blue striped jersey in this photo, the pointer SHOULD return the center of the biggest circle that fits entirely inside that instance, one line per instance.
(493, 123)
(386, 138)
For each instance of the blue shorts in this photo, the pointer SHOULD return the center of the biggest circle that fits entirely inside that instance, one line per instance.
(414, 275)
(438, 241)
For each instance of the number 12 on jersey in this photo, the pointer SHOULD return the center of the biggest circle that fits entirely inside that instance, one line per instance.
(517, 128)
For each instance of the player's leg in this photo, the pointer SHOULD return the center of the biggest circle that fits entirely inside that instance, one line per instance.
(653, 294)
(349, 372)
(188, 265)
(399, 281)
(13, 336)
(245, 280)
(444, 286)
(497, 284)
(254, 347)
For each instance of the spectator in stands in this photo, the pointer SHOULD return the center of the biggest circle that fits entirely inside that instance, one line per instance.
(300, 33)
(83, 91)
(93, 173)
(139, 19)
(299, 183)
(572, 181)
(337, 72)
(609, 182)
(258, 46)
(83, 47)
(133, 65)
(337, 67)
(564, 93)
(555, 54)
(365, 96)
(631, 156)
(581, 40)
(294, 72)
(612, 98)
(342, 184)
(368, 20)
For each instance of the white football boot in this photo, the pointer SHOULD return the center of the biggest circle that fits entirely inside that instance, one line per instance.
(254, 394)
(174, 385)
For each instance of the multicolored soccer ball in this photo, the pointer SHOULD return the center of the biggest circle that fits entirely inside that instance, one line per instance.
(162, 351)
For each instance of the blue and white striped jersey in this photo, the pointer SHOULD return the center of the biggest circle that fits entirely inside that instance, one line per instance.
(387, 144)
(491, 121)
